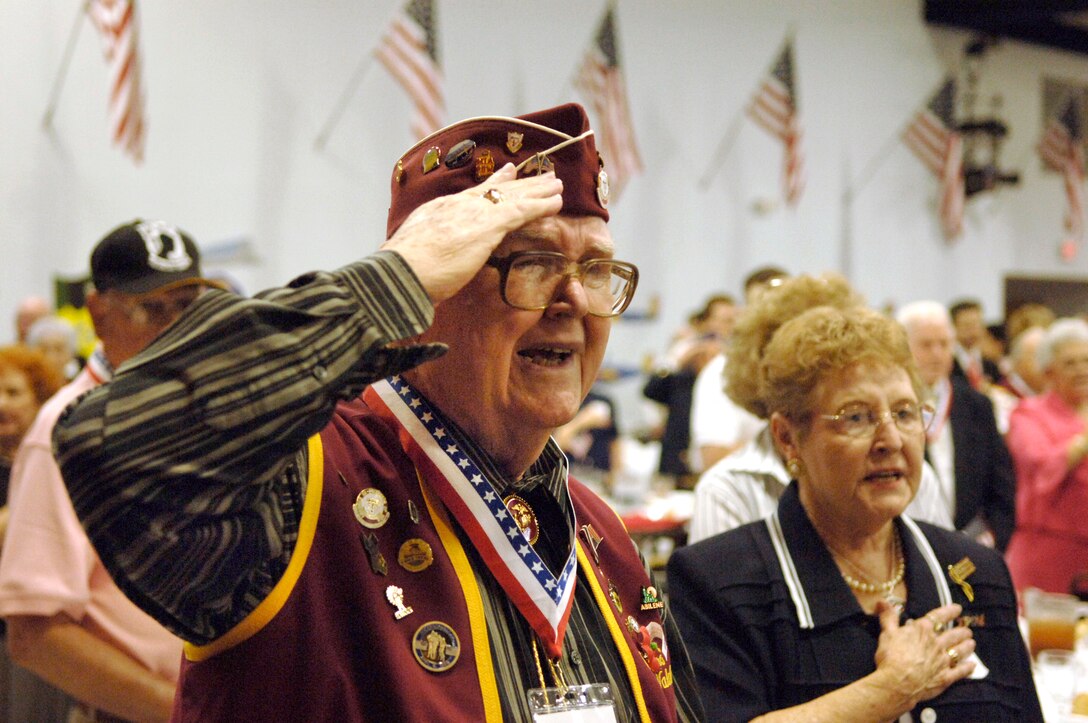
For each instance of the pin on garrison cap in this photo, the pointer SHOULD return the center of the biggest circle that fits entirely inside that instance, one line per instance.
(457, 157)
(144, 256)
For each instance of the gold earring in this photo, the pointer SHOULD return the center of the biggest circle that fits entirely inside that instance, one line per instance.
(794, 467)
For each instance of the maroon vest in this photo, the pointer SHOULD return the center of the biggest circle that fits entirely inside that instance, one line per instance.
(334, 649)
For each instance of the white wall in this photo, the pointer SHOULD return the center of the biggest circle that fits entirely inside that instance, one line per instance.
(238, 91)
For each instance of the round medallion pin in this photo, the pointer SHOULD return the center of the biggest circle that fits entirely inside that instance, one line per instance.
(436, 646)
(371, 508)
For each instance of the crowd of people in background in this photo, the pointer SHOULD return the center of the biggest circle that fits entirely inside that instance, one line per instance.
(1004, 447)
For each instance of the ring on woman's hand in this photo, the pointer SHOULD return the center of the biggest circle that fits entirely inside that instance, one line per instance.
(955, 656)
(938, 626)
(494, 195)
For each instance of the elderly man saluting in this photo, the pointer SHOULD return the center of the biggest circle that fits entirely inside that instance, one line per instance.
(338, 551)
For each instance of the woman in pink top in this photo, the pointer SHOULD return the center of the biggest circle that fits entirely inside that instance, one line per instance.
(1048, 439)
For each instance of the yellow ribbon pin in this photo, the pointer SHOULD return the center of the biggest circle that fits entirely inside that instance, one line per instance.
(959, 574)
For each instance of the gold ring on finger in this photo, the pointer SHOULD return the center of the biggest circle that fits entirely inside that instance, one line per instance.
(954, 655)
(494, 195)
(938, 626)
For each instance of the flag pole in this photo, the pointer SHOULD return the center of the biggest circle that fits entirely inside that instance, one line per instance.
(342, 103)
(725, 146)
(65, 63)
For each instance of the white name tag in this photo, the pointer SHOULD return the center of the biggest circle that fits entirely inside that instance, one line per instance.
(574, 704)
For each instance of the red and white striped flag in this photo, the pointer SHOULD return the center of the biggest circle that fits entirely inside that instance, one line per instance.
(116, 22)
(409, 51)
(932, 136)
(600, 79)
(774, 107)
(1061, 149)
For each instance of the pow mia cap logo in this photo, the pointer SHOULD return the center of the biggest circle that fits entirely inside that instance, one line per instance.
(144, 256)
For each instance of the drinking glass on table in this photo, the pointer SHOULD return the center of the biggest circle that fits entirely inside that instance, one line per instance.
(1056, 673)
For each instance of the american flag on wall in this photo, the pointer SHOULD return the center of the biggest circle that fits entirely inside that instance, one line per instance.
(409, 51)
(1061, 149)
(600, 79)
(774, 107)
(116, 23)
(932, 136)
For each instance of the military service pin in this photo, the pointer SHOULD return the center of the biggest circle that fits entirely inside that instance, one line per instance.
(485, 165)
(430, 159)
(650, 600)
(371, 508)
(538, 164)
(395, 596)
(377, 559)
(524, 517)
(415, 555)
(460, 154)
(614, 594)
(513, 141)
(436, 646)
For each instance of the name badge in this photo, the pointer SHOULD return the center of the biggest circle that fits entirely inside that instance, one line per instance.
(573, 704)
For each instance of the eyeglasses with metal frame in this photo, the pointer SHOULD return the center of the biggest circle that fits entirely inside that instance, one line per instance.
(530, 280)
(860, 420)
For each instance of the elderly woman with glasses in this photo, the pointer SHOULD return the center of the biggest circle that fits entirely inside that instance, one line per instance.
(839, 607)
(1048, 440)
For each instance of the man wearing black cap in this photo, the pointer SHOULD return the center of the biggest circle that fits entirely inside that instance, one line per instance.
(344, 493)
(67, 621)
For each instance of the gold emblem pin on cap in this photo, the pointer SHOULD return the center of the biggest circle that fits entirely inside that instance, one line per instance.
(604, 191)
(431, 158)
(460, 154)
(514, 140)
(485, 165)
(537, 165)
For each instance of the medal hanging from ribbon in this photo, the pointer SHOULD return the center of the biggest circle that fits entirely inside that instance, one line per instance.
(542, 598)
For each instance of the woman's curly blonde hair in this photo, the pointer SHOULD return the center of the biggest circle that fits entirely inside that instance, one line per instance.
(758, 323)
(823, 341)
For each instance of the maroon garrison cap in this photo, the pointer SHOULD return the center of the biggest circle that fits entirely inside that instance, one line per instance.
(464, 154)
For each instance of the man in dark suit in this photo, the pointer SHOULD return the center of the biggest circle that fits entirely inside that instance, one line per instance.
(968, 361)
(963, 443)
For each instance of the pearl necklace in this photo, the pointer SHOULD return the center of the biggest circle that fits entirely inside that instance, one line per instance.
(886, 588)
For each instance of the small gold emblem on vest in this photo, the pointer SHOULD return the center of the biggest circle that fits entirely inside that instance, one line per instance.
(614, 594)
(436, 646)
(415, 555)
(395, 596)
(371, 508)
(959, 574)
(513, 141)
